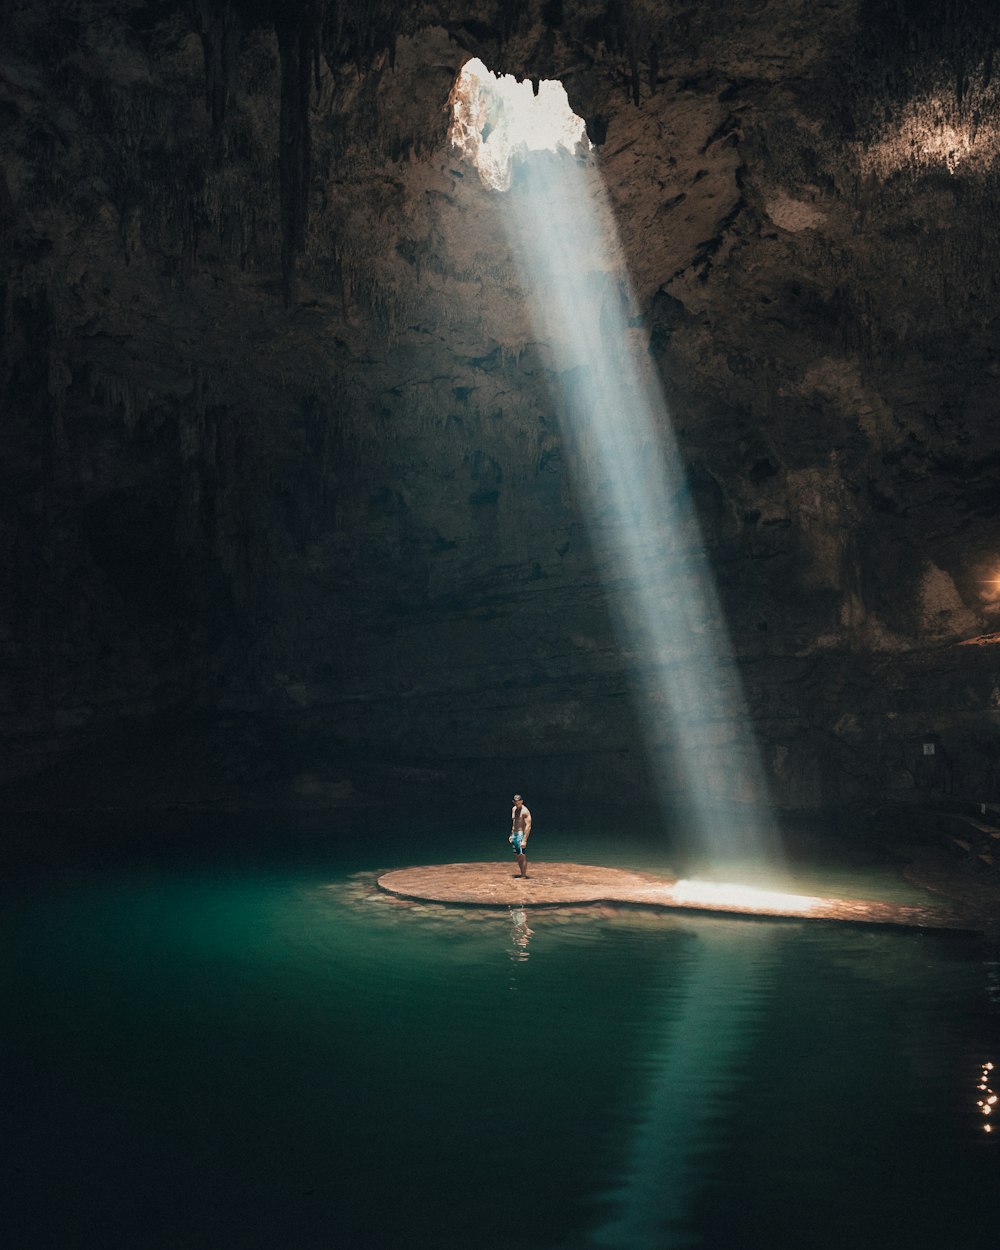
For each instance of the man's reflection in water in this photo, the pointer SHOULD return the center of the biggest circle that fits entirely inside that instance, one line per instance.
(520, 933)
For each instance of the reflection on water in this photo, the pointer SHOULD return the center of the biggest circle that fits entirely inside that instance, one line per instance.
(520, 935)
(694, 1078)
(987, 1100)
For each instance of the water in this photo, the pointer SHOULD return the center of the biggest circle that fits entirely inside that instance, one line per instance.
(243, 1047)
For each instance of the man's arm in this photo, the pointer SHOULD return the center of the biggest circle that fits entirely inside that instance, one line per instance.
(527, 824)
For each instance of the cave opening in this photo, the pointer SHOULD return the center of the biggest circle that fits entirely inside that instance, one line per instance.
(498, 121)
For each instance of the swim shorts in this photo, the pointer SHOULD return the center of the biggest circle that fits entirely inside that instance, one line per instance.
(517, 843)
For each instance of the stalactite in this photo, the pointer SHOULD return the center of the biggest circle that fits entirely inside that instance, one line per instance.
(916, 44)
(221, 37)
(633, 65)
(297, 34)
(511, 12)
(345, 31)
(358, 31)
(120, 397)
(632, 35)
(60, 378)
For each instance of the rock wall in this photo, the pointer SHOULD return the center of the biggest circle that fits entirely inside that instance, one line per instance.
(284, 486)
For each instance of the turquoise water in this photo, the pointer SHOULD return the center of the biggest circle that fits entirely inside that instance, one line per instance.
(254, 1048)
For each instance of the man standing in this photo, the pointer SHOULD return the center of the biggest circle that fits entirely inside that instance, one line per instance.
(520, 828)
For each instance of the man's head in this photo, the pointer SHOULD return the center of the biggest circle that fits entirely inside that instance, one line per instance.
(518, 800)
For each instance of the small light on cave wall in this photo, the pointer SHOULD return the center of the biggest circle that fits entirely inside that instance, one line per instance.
(497, 120)
(989, 589)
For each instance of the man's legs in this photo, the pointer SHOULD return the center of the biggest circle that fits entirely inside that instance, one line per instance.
(522, 863)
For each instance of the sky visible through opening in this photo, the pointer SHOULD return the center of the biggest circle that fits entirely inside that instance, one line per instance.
(620, 448)
(497, 121)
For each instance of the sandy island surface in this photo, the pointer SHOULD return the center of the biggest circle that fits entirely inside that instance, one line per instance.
(555, 884)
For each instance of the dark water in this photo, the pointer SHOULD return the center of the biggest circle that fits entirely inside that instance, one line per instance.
(250, 1048)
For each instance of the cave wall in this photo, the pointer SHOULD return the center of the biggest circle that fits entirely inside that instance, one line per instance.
(284, 488)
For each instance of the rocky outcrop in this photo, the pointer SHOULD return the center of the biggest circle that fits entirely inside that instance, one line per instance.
(284, 488)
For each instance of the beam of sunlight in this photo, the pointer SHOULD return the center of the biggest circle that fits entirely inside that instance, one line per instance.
(632, 488)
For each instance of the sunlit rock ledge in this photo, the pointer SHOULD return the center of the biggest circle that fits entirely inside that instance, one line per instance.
(556, 884)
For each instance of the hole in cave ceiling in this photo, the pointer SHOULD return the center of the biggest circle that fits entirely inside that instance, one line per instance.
(497, 121)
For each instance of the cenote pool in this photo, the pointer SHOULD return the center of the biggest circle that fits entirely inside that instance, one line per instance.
(245, 1046)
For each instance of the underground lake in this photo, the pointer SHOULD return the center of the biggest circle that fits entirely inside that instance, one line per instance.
(241, 1042)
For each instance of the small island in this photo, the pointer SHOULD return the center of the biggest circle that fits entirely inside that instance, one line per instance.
(559, 884)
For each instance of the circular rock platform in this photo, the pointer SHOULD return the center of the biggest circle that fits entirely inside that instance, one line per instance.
(553, 885)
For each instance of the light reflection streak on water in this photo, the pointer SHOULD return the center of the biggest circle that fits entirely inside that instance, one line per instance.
(631, 483)
(987, 1101)
(694, 1075)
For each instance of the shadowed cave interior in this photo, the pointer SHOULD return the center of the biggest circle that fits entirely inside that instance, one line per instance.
(323, 531)
(289, 513)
